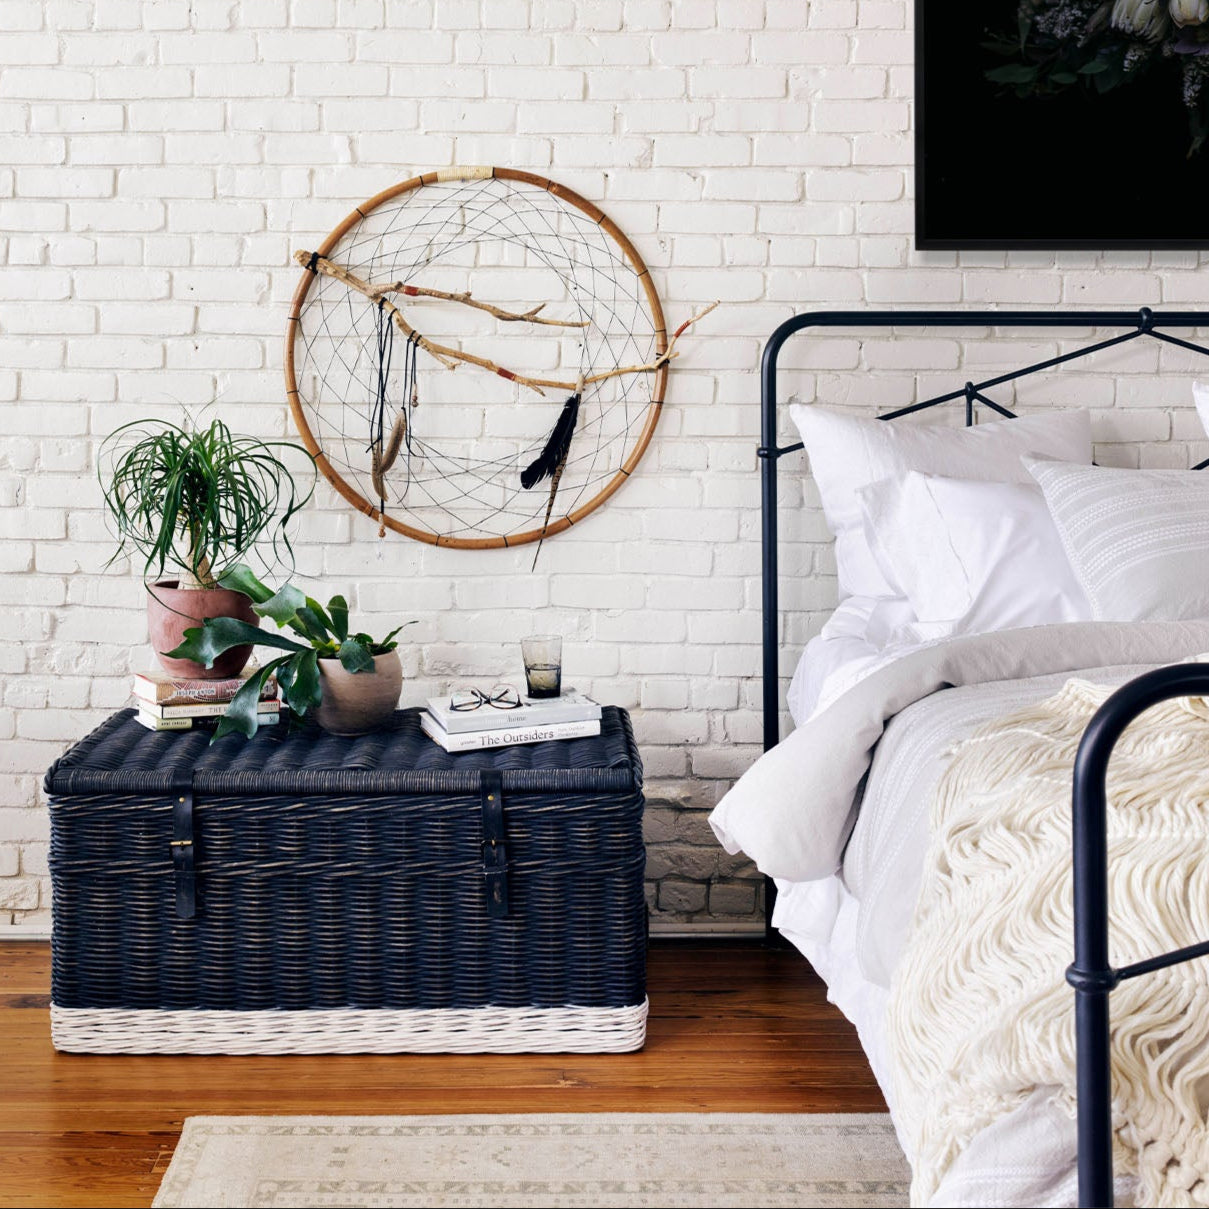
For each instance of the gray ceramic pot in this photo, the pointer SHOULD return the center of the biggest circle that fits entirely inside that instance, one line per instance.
(360, 702)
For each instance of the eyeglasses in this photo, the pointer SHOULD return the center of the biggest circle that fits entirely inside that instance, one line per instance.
(503, 696)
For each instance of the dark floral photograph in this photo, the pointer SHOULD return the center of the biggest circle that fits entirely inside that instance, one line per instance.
(1063, 123)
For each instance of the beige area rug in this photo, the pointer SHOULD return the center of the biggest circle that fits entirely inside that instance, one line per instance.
(587, 1159)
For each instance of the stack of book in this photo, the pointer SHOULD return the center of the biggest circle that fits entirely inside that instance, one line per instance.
(569, 716)
(167, 702)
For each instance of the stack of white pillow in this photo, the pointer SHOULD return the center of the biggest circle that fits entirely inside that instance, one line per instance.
(943, 531)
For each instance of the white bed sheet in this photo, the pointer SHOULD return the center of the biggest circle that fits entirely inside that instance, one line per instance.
(852, 927)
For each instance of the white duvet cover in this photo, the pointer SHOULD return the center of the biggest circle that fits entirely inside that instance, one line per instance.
(838, 814)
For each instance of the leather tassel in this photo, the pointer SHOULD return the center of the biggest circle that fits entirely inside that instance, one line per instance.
(554, 456)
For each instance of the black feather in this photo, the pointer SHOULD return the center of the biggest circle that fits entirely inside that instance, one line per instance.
(555, 452)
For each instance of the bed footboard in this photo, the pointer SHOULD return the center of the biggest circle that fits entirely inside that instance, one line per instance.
(1091, 974)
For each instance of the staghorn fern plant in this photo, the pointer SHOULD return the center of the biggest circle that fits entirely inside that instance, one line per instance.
(322, 633)
(199, 501)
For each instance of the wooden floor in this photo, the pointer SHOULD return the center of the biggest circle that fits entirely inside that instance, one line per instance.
(733, 1028)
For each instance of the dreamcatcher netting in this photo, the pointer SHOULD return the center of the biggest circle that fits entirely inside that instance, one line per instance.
(477, 357)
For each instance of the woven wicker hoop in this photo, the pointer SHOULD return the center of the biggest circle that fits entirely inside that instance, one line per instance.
(556, 525)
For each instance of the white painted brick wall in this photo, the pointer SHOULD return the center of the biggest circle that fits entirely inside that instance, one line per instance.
(160, 159)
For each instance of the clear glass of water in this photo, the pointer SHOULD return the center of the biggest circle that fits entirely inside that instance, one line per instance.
(543, 655)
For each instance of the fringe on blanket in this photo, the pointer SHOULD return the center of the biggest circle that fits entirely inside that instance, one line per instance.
(980, 1014)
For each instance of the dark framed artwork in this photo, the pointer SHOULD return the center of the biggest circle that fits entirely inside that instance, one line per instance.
(1062, 124)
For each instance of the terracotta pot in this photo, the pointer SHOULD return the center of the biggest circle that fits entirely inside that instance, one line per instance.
(355, 703)
(172, 610)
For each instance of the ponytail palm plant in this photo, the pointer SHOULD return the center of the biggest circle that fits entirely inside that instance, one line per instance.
(199, 501)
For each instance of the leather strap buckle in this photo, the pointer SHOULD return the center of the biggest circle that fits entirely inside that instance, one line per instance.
(184, 852)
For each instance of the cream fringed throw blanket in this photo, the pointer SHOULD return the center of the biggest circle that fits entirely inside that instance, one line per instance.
(980, 1014)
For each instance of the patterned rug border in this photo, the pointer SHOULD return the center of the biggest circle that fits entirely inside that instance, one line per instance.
(826, 1186)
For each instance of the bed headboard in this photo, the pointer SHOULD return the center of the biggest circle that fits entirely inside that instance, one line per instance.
(1134, 325)
(1140, 324)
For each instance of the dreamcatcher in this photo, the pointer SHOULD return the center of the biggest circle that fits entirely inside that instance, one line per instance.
(542, 306)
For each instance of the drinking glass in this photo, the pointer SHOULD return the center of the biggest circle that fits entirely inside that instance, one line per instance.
(543, 655)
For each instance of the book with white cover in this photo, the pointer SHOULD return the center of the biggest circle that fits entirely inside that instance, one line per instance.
(571, 706)
(508, 737)
(204, 709)
(155, 722)
(151, 722)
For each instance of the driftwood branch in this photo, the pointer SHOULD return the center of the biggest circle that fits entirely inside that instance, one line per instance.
(466, 299)
(449, 357)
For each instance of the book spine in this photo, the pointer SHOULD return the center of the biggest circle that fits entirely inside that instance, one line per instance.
(262, 719)
(508, 738)
(195, 692)
(213, 709)
(152, 722)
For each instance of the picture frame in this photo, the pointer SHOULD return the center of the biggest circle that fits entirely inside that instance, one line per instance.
(1056, 161)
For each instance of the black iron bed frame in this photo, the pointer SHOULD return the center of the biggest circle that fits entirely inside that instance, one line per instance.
(1091, 974)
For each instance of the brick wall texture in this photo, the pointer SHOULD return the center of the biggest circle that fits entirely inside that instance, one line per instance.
(161, 159)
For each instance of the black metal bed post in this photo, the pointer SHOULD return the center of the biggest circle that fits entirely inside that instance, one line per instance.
(1091, 973)
(769, 454)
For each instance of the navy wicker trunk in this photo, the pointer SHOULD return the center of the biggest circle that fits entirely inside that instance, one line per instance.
(304, 892)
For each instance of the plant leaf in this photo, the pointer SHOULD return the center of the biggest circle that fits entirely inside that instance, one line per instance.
(1093, 68)
(381, 648)
(216, 635)
(282, 606)
(305, 691)
(338, 609)
(355, 657)
(310, 622)
(243, 714)
(241, 579)
(321, 613)
(1013, 73)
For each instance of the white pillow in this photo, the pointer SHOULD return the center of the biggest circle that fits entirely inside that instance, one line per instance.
(850, 452)
(1137, 539)
(971, 557)
(1200, 396)
(851, 639)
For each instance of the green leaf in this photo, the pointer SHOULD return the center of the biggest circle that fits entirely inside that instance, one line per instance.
(338, 609)
(308, 620)
(243, 714)
(282, 605)
(1064, 77)
(381, 648)
(216, 635)
(305, 690)
(241, 579)
(1094, 67)
(355, 657)
(199, 499)
(321, 613)
(1013, 73)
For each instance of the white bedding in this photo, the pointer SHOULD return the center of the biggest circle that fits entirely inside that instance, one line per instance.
(794, 811)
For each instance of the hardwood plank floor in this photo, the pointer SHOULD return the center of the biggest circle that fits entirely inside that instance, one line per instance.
(733, 1028)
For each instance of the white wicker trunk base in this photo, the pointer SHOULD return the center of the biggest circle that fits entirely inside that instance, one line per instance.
(489, 1030)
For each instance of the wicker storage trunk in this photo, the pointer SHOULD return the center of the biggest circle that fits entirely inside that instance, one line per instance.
(306, 893)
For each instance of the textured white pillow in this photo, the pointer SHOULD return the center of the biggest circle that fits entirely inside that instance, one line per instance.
(1137, 539)
(848, 453)
(972, 557)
